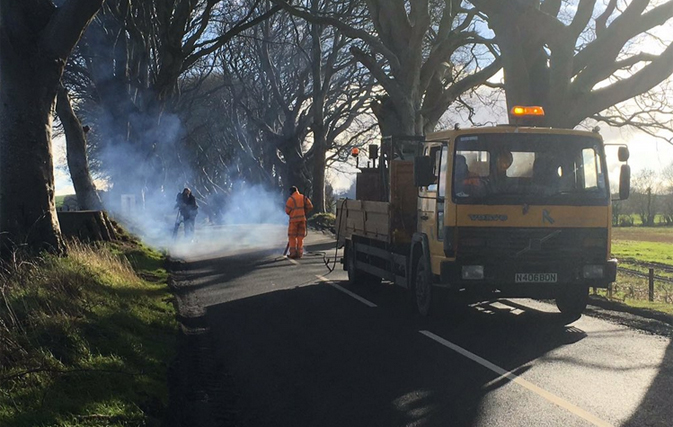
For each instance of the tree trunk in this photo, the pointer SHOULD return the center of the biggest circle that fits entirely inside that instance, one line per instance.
(27, 94)
(319, 153)
(36, 38)
(87, 196)
(393, 122)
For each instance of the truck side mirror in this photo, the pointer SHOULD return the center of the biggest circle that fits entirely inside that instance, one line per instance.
(423, 174)
(624, 182)
(623, 153)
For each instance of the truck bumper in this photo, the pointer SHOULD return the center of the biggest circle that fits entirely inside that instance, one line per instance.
(526, 279)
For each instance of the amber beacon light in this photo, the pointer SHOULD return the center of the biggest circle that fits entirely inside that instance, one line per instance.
(525, 111)
(355, 152)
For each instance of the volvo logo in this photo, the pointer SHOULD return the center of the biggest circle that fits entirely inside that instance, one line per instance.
(536, 244)
(487, 217)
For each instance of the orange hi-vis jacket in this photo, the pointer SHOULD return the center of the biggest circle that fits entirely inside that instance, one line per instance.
(297, 206)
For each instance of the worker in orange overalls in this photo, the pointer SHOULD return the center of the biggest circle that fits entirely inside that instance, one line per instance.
(297, 207)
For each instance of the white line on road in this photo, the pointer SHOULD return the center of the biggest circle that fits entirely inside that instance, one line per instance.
(293, 261)
(346, 291)
(520, 381)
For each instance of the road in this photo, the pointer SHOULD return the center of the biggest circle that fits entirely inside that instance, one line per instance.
(289, 343)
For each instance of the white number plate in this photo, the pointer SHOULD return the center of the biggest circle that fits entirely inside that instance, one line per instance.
(535, 277)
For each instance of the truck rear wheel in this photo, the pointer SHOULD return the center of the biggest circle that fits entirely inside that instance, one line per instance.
(573, 300)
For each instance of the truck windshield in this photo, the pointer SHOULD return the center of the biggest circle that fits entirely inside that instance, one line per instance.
(529, 168)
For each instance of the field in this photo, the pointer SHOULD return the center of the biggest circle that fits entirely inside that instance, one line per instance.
(638, 249)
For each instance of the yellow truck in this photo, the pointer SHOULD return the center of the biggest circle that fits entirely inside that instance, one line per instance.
(485, 213)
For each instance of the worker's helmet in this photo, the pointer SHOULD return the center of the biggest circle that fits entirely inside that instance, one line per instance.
(293, 189)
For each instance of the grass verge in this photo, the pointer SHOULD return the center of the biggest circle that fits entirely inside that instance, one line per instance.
(84, 340)
(634, 247)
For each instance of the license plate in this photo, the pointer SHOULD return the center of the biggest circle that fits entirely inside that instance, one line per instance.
(535, 277)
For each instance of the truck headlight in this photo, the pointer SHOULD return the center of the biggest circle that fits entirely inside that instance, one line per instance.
(472, 272)
(593, 272)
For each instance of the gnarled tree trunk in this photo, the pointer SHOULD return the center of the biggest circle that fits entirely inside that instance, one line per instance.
(75, 137)
(35, 40)
(27, 207)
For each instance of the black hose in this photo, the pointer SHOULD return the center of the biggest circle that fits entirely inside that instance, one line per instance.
(325, 259)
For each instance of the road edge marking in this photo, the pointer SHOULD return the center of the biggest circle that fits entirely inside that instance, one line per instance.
(520, 381)
(346, 291)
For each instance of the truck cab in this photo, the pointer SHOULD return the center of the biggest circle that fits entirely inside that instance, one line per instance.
(501, 212)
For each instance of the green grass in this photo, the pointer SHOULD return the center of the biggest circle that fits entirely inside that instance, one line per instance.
(84, 340)
(633, 245)
(621, 296)
(644, 251)
(637, 220)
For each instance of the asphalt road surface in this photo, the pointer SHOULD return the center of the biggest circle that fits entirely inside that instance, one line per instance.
(289, 343)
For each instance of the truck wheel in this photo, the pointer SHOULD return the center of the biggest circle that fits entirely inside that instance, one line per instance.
(422, 290)
(573, 300)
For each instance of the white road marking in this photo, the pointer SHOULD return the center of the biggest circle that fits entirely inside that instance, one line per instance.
(346, 291)
(520, 381)
(293, 261)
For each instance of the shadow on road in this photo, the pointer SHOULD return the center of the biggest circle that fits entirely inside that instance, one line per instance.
(312, 356)
(307, 356)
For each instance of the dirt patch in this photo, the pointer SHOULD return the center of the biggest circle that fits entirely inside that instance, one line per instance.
(644, 234)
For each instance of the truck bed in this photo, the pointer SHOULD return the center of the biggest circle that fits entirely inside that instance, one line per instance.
(391, 222)
(363, 218)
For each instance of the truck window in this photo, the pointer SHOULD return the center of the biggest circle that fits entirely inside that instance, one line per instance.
(590, 167)
(522, 165)
(470, 167)
(434, 153)
(529, 168)
(441, 178)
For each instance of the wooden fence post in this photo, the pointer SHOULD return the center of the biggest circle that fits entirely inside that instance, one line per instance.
(651, 280)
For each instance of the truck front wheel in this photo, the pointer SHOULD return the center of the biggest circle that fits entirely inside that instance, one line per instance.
(422, 290)
(573, 300)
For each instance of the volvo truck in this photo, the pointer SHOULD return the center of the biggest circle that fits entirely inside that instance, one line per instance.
(507, 211)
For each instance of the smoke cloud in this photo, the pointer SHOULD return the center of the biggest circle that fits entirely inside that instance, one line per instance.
(238, 217)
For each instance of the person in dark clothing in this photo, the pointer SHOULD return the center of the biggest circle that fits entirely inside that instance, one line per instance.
(186, 203)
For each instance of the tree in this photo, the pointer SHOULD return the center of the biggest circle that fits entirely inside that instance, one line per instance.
(135, 55)
(579, 61)
(425, 54)
(667, 193)
(646, 189)
(36, 39)
(301, 88)
(76, 153)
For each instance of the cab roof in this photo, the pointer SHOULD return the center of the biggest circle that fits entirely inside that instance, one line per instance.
(506, 129)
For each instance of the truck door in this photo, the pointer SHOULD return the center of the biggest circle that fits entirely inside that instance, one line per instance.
(431, 201)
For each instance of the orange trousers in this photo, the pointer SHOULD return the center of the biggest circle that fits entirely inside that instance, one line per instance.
(296, 232)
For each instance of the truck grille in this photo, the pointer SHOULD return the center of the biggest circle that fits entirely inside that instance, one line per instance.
(532, 244)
